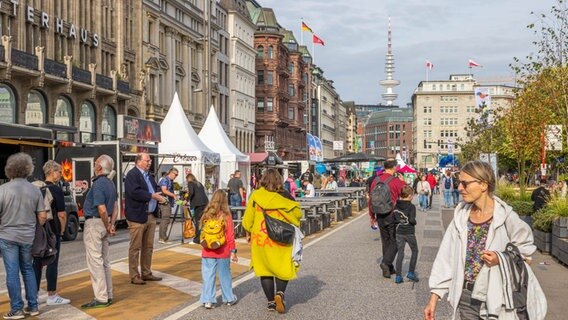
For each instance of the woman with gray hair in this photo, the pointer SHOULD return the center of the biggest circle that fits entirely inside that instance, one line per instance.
(21, 207)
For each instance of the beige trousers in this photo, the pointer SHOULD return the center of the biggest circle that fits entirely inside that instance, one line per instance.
(141, 247)
(95, 238)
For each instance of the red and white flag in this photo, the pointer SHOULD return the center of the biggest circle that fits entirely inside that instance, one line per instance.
(429, 65)
(317, 40)
(472, 63)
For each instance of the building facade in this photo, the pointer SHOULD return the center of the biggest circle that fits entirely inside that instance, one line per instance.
(328, 115)
(70, 65)
(389, 132)
(441, 110)
(351, 140)
(279, 88)
(242, 74)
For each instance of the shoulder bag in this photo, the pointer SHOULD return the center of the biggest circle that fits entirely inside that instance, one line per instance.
(277, 230)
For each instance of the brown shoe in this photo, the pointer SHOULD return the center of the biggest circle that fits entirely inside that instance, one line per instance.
(151, 277)
(137, 280)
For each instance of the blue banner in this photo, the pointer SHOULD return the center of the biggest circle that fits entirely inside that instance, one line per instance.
(319, 150)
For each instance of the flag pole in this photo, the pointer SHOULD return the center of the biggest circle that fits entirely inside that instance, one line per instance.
(313, 51)
(427, 71)
(302, 32)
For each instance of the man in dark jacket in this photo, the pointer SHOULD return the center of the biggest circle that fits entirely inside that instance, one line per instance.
(540, 196)
(405, 220)
(141, 207)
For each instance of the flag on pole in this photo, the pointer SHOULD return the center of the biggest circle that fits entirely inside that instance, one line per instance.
(429, 65)
(472, 63)
(317, 40)
(306, 28)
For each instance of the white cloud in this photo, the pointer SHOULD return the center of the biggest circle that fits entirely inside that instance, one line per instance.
(446, 32)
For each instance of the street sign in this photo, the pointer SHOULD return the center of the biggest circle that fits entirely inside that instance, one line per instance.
(338, 145)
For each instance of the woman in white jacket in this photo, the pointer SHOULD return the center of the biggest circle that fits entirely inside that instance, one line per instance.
(482, 225)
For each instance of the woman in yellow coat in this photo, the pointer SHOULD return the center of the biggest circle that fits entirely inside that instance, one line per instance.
(271, 261)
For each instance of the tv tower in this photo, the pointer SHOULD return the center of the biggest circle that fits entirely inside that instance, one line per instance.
(389, 83)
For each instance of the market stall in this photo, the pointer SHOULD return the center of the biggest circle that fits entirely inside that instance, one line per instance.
(215, 138)
(181, 148)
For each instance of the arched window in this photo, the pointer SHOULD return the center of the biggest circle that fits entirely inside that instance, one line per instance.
(35, 110)
(64, 117)
(108, 125)
(270, 52)
(87, 122)
(7, 104)
(260, 52)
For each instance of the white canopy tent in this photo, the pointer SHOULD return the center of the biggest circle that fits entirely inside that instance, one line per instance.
(182, 149)
(214, 137)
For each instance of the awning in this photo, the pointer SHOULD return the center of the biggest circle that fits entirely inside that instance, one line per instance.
(356, 157)
(18, 134)
(268, 158)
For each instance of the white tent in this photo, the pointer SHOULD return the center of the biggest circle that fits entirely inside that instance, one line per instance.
(214, 137)
(182, 148)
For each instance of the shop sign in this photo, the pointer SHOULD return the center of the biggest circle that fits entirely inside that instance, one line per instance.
(135, 129)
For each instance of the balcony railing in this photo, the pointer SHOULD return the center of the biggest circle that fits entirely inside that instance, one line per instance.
(123, 86)
(104, 82)
(55, 68)
(24, 59)
(81, 75)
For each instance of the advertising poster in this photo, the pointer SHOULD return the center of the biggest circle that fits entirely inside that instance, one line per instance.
(319, 149)
(311, 147)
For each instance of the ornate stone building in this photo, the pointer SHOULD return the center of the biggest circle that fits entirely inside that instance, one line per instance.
(70, 65)
(242, 74)
(280, 87)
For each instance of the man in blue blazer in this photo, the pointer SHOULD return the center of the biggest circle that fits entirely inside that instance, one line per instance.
(141, 207)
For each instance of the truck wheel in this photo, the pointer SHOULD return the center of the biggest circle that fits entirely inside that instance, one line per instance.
(72, 228)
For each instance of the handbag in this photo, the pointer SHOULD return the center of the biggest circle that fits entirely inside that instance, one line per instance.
(277, 230)
(188, 227)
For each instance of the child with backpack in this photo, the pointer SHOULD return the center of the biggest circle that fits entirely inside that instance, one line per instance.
(218, 241)
(405, 219)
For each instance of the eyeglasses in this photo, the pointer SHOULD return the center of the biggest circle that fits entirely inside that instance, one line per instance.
(464, 183)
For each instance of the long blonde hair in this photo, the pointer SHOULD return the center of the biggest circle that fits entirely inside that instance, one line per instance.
(218, 206)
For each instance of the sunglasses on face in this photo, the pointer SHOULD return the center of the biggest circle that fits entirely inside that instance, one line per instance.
(464, 183)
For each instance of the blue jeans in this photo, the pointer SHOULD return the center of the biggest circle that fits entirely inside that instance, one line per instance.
(18, 258)
(209, 267)
(423, 200)
(447, 198)
(235, 200)
(456, 196)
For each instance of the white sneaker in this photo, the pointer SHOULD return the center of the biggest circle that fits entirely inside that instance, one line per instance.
(57, 300)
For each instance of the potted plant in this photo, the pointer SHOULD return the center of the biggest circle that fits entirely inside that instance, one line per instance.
(559, 247)
(524, 209)
(542, 229)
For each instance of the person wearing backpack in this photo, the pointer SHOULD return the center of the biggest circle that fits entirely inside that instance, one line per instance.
(405, 219)
(58, 223)
(272, 262)
(383, 193)
(216, 259)
(447, 188)
(197, 198)
(21, 208)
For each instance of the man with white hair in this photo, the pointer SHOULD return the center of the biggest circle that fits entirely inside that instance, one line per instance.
(100, 210)
(21, 207)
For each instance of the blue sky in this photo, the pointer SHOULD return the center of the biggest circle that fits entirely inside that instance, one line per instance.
(446, 32)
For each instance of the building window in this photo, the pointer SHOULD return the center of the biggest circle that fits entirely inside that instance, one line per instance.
(269, 104)
(427, 109)
(108, 125)
(270, 52)
(291, 90)
(35, 110)
(260, 104)
(260, 52)
(427, 121)
(63, 117)
(291, 67)
(269, 77)
(291, 113)
(87, 122)
(260, 77)
(7, 105)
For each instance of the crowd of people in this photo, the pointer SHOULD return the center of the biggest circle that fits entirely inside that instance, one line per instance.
(484, 238)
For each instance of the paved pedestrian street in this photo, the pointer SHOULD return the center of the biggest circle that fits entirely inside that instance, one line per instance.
(339, 279)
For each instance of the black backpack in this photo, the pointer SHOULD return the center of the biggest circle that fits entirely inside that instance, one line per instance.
(44, 244)
(287, 185)
(380, 196)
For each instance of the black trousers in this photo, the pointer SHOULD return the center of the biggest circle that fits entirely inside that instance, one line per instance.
(387, 228)
(198, 212)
